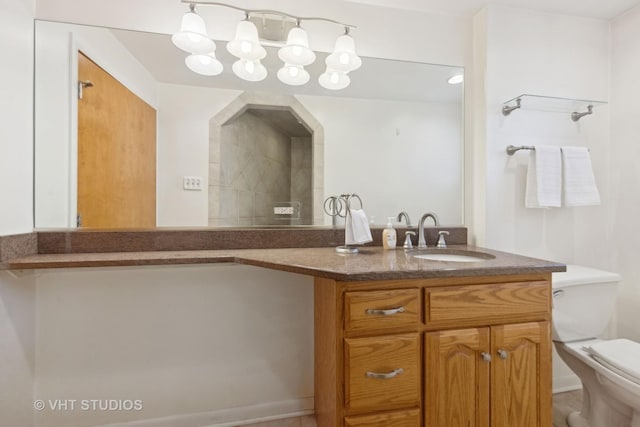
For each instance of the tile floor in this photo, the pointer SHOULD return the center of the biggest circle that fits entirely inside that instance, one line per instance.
(563, 405)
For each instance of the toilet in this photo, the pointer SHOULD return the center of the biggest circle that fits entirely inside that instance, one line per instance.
(583, 302)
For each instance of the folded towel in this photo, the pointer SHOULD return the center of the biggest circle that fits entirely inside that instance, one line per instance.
(544, 178)
(579, 183)
(356, 229)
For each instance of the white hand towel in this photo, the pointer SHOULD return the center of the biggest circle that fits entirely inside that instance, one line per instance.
(544, 178)
(579, 183)
(356, 229)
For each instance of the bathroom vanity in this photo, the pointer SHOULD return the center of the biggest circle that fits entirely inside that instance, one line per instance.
(400, 340)
(450, 351)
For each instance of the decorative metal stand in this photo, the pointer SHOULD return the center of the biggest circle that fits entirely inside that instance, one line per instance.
(340, 206)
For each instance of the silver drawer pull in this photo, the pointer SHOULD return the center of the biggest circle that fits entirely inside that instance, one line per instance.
(386, 376)
(388, 312)
(504, 354)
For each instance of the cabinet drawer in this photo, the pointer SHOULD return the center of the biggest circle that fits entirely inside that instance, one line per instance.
(487, 302)
(382, 309)
(410, 418)
(382, 372)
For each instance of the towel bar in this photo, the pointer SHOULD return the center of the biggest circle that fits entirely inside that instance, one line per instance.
(511, 149)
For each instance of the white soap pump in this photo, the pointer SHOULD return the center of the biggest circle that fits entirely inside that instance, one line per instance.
(389, 235)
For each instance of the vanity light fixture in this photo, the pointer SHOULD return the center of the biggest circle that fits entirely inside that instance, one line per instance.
(295, 52)
(193, 37)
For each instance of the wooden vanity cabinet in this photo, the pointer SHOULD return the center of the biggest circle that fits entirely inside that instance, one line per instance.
(447, 352)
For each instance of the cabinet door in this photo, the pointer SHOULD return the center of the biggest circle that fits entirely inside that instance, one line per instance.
(521, 375)
(457, 378)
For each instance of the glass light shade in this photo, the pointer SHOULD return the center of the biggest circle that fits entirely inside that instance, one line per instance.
(207, 65)
(344, 56)
(293, 75)
(192, 36)
(246, 44)
(252, 71)
(296, 51)
(334, 79)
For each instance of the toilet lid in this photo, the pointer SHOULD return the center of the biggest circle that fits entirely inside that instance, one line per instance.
(620, 355)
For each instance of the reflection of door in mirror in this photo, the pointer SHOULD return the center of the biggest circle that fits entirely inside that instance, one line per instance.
(116, 153)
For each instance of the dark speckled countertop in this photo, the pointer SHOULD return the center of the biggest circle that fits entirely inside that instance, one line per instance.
(372, 263)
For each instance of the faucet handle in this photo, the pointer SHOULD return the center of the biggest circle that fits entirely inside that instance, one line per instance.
(407, 239)
(441, 243)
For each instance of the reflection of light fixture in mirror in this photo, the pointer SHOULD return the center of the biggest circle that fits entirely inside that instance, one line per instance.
(456, 79)
(192, 36)
(344, 56)
(294, 75)
(246, 46)
(296, 51)
(205, 64)
(252, 71)
(334, 79)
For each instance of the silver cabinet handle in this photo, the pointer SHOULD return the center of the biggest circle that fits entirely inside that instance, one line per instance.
(386, 376)
(388, 312)
(503, 354)
(486, 357)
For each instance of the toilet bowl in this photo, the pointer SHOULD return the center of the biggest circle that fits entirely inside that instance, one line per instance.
(583, 301)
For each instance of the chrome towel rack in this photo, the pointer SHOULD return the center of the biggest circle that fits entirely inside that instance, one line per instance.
(512, 149)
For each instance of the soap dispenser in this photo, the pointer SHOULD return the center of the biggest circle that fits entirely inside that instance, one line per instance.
(389, 235)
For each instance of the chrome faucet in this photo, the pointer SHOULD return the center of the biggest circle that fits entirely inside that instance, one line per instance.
(422, 243)
(406, 217)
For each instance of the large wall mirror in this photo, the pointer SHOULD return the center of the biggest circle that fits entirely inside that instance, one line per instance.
(127, 136)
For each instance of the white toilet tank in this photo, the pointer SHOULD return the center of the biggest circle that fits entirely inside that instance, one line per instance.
(583, 302)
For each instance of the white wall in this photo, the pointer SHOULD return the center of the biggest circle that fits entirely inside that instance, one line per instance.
(184, 340)
(16, 135)
(625, 176)
(17, 296)
(553, 55)
(403, 146)
(183, 150)
(56, 109)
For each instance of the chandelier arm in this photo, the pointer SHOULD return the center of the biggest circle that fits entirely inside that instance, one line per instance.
(269, 12)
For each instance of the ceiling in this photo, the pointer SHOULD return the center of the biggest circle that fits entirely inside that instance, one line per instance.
(600, 9)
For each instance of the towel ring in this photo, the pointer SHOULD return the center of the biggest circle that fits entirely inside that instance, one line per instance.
(333, 206)
(347, 199)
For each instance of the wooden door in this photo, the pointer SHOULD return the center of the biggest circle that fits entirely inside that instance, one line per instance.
(116, 153)
(457, 378)
(521, 375)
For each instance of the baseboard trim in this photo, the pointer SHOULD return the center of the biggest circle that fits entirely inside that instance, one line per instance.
(566, 383)
(230, 417)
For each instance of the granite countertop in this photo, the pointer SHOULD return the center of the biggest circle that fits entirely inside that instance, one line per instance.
(372, 263)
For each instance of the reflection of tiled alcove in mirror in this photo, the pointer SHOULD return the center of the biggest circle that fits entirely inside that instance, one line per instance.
(237, 193)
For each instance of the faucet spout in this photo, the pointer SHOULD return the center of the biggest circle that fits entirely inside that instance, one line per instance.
(406, 217)
(422, 243)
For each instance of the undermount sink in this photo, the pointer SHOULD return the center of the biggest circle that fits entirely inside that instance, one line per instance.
(451, 255)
